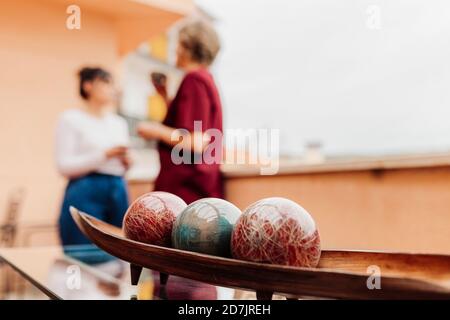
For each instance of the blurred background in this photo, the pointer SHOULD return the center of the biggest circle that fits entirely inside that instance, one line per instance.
(358, 90)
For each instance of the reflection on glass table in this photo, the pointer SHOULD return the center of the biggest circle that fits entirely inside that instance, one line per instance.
(87, 272)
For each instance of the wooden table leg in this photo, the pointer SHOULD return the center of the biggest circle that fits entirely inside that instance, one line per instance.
(163, 278)
(135, 274)
(264, 295)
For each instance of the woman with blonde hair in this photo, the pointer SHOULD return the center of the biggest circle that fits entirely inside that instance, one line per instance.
(197, 100)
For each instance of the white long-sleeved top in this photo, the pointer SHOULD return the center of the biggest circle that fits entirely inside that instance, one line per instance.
(82, 140)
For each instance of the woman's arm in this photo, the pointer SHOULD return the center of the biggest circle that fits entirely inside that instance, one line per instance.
(193, 105)
(191, 141)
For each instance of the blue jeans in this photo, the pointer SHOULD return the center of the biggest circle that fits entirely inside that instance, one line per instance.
(102, 196)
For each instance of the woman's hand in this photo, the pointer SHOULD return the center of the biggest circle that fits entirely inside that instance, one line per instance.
(150, 130)
(162, 90)
(159, 81)
(121, 153)
(193, 141)
(127, 162)
(116, 152)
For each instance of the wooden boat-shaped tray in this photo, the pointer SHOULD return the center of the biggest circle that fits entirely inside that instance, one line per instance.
(341, 274)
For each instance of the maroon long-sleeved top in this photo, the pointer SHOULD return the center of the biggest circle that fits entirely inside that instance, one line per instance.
(197, 99)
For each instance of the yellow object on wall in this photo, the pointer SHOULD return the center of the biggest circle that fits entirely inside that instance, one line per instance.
(159, 47)
(157, 108)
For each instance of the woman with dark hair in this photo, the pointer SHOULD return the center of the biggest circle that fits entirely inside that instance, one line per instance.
(195, 111)
(91, 152)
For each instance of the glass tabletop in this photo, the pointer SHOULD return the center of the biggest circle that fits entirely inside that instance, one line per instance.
(86, 272)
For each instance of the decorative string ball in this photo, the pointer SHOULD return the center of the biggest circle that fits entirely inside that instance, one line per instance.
(277, 231)
(150, 218)
(205, 226)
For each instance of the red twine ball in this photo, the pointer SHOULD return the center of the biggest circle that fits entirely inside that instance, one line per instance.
(150, 218)
(277, 231)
